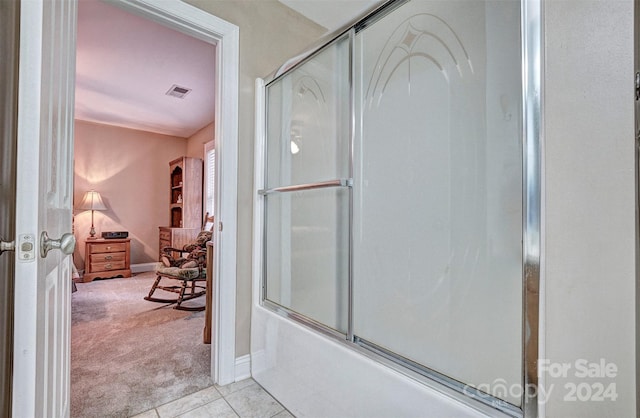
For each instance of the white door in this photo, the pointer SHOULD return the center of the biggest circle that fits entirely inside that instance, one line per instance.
(43, 204)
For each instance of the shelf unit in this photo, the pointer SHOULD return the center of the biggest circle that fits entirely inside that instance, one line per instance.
(185, 203)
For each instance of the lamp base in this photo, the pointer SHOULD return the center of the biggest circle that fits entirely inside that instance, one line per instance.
(91, 238)
(92, 231)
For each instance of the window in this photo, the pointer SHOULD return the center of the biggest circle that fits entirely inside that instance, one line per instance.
(209, 177)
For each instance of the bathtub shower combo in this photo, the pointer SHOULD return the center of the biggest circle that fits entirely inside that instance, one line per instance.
(398, 215)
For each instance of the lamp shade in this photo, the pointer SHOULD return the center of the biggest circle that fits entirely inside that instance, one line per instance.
(92, 201)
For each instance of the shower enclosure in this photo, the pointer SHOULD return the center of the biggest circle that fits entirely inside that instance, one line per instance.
(398, 208)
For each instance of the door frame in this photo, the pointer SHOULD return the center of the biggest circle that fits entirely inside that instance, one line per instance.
(211, 29)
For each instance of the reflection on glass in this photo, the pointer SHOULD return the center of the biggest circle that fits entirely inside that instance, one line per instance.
(438, 189)
(307, 231)
(307, 121)
(307, 254)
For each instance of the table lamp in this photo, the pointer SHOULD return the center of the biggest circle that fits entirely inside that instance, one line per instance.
(92, 201)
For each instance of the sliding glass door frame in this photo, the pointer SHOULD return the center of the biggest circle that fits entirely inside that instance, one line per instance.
(532, 65)
(531, 47)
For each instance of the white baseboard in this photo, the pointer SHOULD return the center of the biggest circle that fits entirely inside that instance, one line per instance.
(142, 267)
(243, 367)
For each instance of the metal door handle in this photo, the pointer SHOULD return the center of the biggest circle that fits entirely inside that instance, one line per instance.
(66, 244)
(7, 245)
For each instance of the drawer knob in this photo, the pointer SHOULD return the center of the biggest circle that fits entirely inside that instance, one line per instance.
(108, 266)
(108, 257)
(108, 248)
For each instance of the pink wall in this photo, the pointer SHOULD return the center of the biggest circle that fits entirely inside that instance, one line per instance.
(195, 143)
(130, 169)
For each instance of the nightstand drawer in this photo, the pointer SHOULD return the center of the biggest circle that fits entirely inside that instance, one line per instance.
(108, 248)
(109, 265)
(107, 257)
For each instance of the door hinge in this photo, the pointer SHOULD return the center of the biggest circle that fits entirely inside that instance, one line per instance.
(637, 85)
(220, 226)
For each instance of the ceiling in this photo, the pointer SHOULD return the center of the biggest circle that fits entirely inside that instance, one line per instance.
(332, 14)
(125, 64)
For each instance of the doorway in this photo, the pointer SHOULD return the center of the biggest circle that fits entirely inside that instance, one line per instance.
(47, 45)
(197, 23)
(205, 27)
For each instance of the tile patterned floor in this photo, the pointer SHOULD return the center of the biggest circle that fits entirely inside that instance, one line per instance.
(242, 399)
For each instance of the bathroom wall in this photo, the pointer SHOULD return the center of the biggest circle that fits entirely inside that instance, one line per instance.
(589, 299)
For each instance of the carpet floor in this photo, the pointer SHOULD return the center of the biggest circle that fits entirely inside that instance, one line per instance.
(129, 355)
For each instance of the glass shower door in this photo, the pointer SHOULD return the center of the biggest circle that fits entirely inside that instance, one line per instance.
(406, 238)
(307, 198)
(438, 191)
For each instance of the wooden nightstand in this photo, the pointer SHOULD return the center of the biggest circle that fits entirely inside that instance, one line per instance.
(107, 258)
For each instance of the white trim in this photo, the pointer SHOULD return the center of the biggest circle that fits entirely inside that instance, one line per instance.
(227, 199)
(209, 28)
(258, 183)
(27, 174)
(142, 267)
(258, 217)
(243, 367)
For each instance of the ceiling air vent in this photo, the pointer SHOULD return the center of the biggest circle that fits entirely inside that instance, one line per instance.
(178, 91)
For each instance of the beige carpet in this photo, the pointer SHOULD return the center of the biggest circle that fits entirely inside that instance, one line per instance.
(129, 355)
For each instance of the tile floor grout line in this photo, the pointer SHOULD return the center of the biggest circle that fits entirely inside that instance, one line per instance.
(200, 406)
(279, 412)
(194, 408)
(217, 388)
(232, 408)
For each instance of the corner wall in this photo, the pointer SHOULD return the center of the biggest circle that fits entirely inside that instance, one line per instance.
(195, 143)
(590, 275)
(130, 169)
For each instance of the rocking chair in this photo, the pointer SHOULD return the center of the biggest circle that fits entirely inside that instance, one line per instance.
(189, 271)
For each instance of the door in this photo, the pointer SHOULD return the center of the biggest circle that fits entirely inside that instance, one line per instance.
(8, 110)
(43, 206)
(438, 151)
